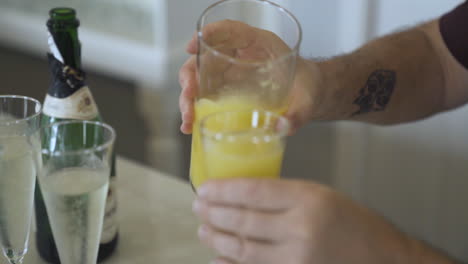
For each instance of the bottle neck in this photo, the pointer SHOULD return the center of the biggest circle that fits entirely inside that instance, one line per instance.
(64, 41)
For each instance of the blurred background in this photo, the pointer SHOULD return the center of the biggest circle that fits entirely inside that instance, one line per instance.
(415, 174)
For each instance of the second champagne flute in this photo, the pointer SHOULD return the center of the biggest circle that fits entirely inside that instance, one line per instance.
(74, 179)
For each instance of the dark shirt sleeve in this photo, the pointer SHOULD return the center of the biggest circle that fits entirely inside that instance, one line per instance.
(454, 30)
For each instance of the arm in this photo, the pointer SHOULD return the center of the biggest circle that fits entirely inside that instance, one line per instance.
(398, 78)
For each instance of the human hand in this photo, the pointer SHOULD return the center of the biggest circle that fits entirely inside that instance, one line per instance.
(252, 221)
(242, 41)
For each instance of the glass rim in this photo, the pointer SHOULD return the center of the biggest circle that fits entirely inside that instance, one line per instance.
(107, 142)
(294, 51)
(283, 132)
(34, 115)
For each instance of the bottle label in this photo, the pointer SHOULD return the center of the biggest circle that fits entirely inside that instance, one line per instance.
(80, 105)
(110, 226)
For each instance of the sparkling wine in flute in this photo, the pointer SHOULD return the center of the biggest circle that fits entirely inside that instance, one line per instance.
(18, 159)
(75, 199)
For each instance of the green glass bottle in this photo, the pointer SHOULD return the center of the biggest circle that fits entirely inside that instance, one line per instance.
(69, 98)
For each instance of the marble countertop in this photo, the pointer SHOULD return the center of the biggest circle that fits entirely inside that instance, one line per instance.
(156, 221)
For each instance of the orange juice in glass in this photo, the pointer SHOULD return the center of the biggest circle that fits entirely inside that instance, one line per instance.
(244, 143)
(230, 80)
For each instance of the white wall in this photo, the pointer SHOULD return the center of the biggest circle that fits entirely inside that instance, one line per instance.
(395, 14)
(320, 36)
(414, 174)
(330, 27)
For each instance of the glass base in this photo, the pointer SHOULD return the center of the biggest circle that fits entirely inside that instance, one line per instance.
(14, 258)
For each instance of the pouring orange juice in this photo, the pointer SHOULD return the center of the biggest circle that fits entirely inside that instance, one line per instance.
(244, 62)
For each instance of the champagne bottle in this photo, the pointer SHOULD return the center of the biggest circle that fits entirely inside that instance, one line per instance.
(69, 98)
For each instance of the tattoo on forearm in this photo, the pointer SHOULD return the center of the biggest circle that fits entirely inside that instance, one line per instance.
(376, 94)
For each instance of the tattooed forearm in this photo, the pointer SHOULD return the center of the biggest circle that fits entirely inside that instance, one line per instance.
(376, 94)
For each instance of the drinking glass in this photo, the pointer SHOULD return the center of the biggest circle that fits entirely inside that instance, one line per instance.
(19, 160)
(74, 180)
(248, 144)
(243, 67)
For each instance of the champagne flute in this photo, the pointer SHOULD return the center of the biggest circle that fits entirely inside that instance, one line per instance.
(74, 180)
(19, 160)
